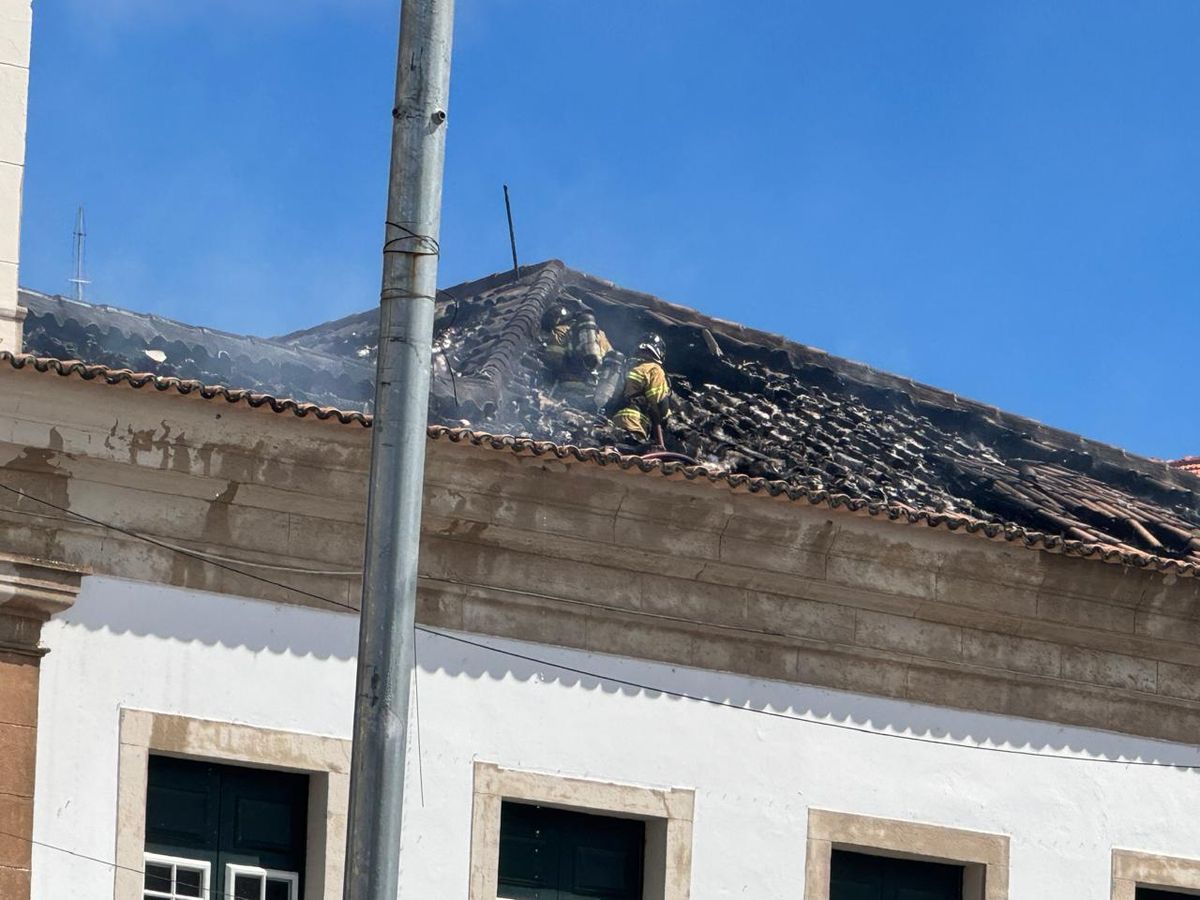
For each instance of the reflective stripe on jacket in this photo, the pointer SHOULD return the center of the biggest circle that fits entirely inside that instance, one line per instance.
(645, 385)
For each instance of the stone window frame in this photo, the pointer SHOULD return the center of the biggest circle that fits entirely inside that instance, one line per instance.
(667, 812)
(326, 760)
(1132, 869)
(983, 855)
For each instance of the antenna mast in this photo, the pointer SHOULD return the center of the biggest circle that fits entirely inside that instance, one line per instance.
(512, 235)
(80, 280)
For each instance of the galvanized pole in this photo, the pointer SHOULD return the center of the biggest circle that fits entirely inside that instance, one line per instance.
(386, 649)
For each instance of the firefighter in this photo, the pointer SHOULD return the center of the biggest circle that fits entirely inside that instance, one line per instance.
(645, 402)
(575, 348)
(556, 331)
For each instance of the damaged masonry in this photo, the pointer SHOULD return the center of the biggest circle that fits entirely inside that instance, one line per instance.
(745, 403)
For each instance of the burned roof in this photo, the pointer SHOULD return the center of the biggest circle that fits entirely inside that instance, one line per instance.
(747, 403)
(120, 339)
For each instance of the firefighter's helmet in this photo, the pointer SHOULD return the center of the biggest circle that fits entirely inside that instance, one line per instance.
(652, 346)
(560, 312)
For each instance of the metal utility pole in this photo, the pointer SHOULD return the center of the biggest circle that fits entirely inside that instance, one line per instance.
(387, 647)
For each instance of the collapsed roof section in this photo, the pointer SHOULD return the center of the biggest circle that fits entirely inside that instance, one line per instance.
(746, 402)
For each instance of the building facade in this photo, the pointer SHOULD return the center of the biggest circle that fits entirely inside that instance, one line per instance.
(668, 683)
(880, 643)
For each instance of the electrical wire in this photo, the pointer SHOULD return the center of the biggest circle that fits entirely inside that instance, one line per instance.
(430, 244)
(594, 604)
(75, 853)
(417, 722)
(274, 567)
(227, 895)
(183, 551)
(599, 676)
(679, 695)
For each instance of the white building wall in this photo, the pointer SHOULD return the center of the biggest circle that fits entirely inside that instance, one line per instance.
(16, 22)
(755, 776)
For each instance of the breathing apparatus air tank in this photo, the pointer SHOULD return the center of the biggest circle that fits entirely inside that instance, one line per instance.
(585, 341)
(611, 379)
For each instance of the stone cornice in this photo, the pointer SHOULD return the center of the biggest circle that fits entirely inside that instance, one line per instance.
(31, 591)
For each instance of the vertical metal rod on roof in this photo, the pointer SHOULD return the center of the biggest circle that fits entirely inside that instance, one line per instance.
(512, 234)
(387, 646)
(80, 255)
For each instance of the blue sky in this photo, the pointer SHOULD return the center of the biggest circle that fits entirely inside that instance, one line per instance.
(1002, 200)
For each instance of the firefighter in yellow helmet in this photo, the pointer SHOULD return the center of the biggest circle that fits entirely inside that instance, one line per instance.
(645, 401)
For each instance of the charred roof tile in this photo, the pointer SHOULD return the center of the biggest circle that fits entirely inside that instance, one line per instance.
(764, 414)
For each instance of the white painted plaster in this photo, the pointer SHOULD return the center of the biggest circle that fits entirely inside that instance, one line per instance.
(16, 20)
(755, 776)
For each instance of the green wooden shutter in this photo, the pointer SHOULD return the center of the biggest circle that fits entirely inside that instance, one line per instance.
(183, 809)
(553, 854)
(264, 818)
(226, 814)
(859, 876)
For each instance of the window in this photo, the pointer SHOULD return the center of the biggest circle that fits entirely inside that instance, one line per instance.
(1155, 894)
(855, 857)
(240, 830)
(554, 854)
(175, 878)
(538, 836)
(253, 883)
(859, 876)
(323, 761)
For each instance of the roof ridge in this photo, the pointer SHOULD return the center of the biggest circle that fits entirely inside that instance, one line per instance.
(465, 288)
(486, 386)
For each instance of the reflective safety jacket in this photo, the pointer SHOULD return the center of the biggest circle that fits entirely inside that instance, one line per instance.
(645, 400)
